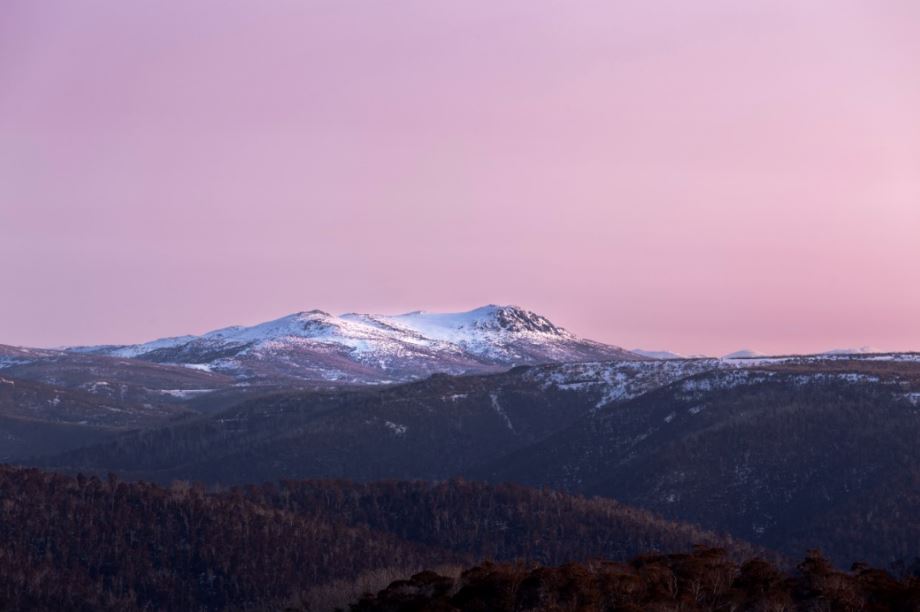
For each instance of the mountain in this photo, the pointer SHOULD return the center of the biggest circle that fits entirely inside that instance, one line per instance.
(743, 354)
(862, 350)
(363, 348)
(658, 354)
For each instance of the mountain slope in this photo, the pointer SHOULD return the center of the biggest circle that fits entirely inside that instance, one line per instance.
(432, 429)
(860, 350)
(115, 378)
(743, 354)
(38, 419)
(658, 354)
(361, 348)
(770, 454)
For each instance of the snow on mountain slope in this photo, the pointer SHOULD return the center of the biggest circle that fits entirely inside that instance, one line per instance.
(505, 335)
(316, 345)
(743, 354)
(862, 350)
(480, 322)
(17, 355)
(658, 354)
(131, 351)
(623, 380)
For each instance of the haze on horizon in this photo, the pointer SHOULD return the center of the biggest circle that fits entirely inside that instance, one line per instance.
(698, 177)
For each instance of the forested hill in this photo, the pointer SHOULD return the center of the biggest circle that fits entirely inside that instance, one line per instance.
(703, 581)
(79, 543)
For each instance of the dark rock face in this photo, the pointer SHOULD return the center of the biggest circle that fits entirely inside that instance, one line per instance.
(515, 319)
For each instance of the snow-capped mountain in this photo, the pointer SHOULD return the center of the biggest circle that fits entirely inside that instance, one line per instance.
(743, 354)
(658, 354)
(316, 345)
(861, 350)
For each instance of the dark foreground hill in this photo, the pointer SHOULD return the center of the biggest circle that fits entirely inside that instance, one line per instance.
(77, 543)
(705, 580)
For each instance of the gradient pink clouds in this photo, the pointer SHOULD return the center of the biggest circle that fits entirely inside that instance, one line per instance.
(694, 176)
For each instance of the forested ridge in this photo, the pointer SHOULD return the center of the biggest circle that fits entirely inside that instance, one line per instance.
(85, 543)
(88, 544)
(492, 521)
(705, 580)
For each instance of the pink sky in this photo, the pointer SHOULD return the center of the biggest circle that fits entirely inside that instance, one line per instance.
(697, 176)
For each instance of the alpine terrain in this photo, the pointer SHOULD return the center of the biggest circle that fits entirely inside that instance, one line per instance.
(363, 348)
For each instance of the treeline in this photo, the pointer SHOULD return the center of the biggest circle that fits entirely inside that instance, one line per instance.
(705, 580)
(85, 543)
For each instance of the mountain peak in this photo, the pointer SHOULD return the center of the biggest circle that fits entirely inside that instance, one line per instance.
(492, 318)
(516, 319)
(743, 354)
(311, 314)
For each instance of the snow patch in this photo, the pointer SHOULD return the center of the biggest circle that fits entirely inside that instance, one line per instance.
(396, 428)
(862, 350)
(8, 362)
(658, 354)
(184, 393)
(622, 380)
(501, 411)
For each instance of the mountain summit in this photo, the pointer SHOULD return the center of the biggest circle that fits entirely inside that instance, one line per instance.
(317, 346)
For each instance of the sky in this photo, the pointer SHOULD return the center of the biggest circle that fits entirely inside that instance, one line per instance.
(693, 176)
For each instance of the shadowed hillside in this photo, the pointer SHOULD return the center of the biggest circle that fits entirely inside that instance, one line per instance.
(80, 543)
